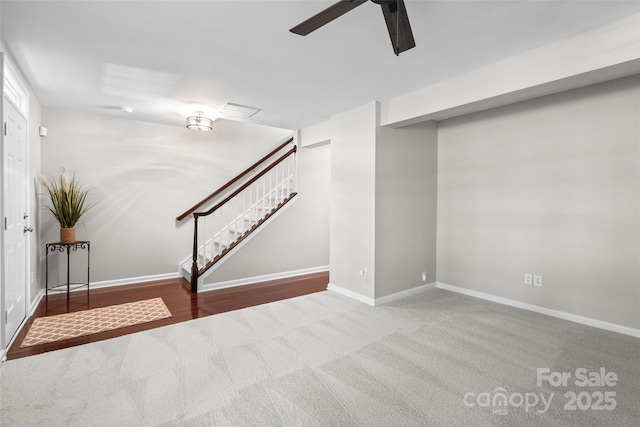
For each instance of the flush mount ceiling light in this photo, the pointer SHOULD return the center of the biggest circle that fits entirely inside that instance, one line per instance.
(199, 122)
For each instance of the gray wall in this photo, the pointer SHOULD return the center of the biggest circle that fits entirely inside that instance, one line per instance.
(35, 246)
(353, 164)
(405, 213)
(383, 203)
(550, 187)
(144, 175)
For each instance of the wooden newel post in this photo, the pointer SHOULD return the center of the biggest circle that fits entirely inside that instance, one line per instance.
(194, 265)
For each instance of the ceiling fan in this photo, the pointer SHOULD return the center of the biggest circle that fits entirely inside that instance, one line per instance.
(395, 15)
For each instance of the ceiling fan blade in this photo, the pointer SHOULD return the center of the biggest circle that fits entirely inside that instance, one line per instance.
(395, 15)
(326, 16)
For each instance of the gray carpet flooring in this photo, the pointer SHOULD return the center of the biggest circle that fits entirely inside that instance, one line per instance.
(439, 359)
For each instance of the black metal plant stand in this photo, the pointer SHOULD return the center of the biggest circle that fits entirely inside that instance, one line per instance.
(68, 248)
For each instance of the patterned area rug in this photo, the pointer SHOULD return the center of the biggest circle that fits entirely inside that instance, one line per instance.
(77, 324)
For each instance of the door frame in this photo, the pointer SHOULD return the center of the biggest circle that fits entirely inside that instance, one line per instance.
(5, 342)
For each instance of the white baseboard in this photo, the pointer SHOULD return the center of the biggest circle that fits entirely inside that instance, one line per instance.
(131, 280)
(13, 338)
(32, 309)
(263, 278)
(126, 281)
(406, 293)
(382, 300)
(543, 310)
(106, 284)
(35, 303)
(353, 295)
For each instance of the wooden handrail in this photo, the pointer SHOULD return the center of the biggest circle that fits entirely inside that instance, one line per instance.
(233, 181)
(248, 183)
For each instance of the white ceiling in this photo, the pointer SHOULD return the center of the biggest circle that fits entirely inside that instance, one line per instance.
(160, 57)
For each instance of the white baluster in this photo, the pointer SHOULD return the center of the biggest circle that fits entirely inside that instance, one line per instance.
(283, 190)
(264, 192)
(268, 195)
(243, 213)
(205, 235)
(288, 174)
(280, 190)
(275, 187)
(295, 172)
(249, 205)
(230, 222)
(217, 235)
(211, 228)
(285, 179)
(233, 224)
(229, 217)
(198, 240)
(255, 198)
(272, 185)
(223, 237)
(201, 241)
(292, 175)
(238, 214)
(211, 236)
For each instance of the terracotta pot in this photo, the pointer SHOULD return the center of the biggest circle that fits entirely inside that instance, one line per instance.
(67, 235)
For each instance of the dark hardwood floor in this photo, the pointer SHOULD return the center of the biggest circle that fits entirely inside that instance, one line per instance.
(174, 292)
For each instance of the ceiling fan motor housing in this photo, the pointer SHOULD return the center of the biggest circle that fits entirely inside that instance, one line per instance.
(393, 4)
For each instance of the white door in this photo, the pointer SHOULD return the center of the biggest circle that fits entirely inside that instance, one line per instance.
(14, 192)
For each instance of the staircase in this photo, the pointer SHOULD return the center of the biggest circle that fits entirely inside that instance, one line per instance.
(241, 208)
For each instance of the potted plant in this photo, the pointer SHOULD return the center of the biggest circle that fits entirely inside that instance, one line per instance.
(68, 203)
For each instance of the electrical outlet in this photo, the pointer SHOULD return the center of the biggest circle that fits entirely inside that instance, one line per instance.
(528, 279)
(363, 273)
(425, 276)
(537, 280)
